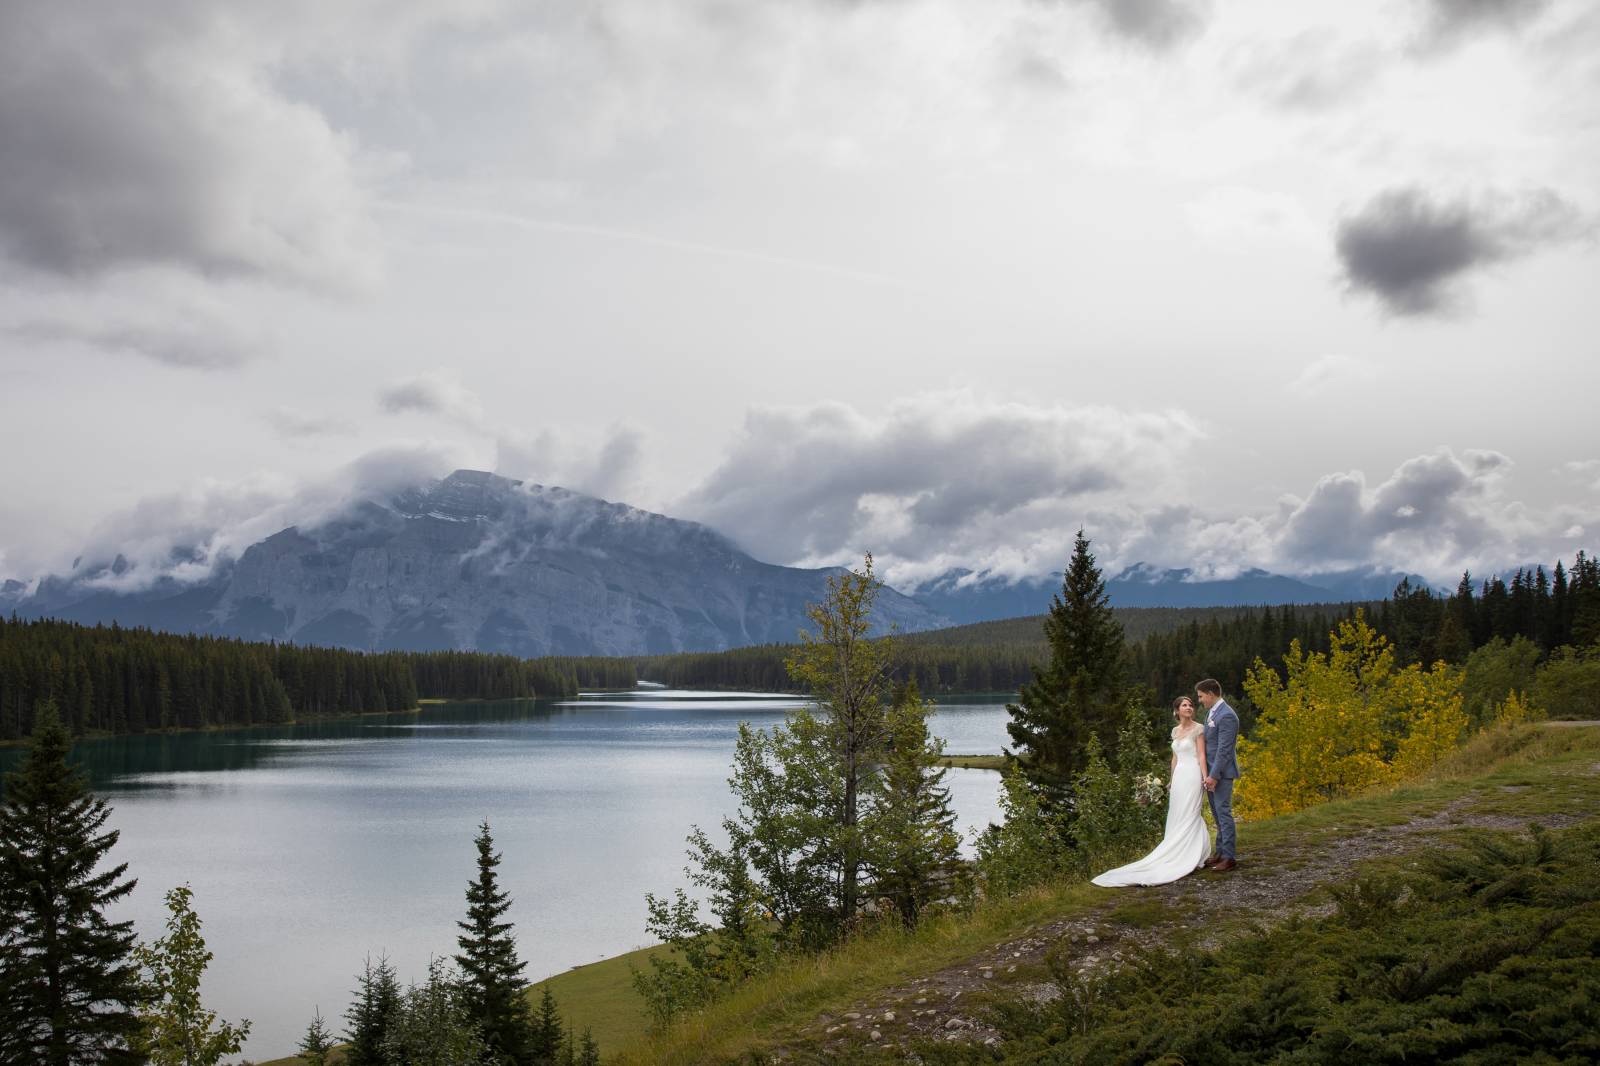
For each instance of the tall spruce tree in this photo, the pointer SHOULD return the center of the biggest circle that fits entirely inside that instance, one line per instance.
(69, 985)
(491, 972)
(1560, 612)
(916, 848)
(1080, 692)
(549, 1036)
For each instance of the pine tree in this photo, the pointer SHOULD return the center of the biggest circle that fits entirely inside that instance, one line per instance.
(1458, 631)
(491, 973)
(372, 1014)
(1583, 592)
(1080, 692)
(69, 981)
(548, 1032)
(316, 1045)
(431, 1027)
(1560, 609)
(589, 1051)
(916, 849)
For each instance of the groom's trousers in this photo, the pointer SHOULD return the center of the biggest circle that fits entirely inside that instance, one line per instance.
(1221, 799)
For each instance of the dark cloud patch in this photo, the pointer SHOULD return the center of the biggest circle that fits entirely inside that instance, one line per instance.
(435, 393)
(1451, 21)
(1155, 24)
(1435, 506)
(937, 480)
(1411, 252)
(185, 343)
(1311, 71)
(293, 425)
(139, 137)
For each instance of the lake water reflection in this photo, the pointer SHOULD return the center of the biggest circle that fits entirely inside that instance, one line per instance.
(310, 846)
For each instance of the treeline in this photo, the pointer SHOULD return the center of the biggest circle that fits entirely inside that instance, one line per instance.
(115, 680)
(934, 667)
(1001, 656)
(1136, 622)
(1168, 664)
(1550, 610)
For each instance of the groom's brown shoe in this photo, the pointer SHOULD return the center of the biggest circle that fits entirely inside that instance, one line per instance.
(1224, 866)
(1211, 862)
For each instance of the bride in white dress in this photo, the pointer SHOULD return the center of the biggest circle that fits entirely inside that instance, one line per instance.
(1187, 841)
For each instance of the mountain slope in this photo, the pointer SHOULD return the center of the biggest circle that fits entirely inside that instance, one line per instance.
(967, 599)
(483, 562)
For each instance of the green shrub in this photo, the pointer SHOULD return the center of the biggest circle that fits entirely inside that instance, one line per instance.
(1027, 848)
(1484, 953)
(1494, 672)
(1568, 684)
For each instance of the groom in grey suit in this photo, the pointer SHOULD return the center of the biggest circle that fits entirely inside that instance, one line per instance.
(1222, 769)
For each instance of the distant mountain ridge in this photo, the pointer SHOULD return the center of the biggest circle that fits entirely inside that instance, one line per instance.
(966, 598)
(483, 562)
(479, 561)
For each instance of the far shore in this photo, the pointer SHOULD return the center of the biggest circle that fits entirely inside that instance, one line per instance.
(180, 730)
(977, 762)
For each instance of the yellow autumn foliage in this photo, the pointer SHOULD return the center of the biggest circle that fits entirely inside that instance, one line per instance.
(1336, 724)
(1517, 709)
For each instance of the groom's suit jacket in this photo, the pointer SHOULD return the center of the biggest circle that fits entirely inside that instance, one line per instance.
(1222, 736)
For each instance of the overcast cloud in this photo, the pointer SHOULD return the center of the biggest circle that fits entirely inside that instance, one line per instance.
(1414, 253)
(1243, 284)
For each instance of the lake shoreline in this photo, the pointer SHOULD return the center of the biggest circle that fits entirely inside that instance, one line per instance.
(378, 813)
(343, 716)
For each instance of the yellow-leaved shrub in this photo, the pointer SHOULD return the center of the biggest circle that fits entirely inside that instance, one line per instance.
(1336, 724)
(1517, 709)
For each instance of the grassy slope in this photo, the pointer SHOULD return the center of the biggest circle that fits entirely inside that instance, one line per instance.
(1539, 772)
(1534, 772)
(598, 997)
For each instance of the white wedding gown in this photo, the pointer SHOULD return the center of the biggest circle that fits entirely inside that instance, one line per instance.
(1187, 841)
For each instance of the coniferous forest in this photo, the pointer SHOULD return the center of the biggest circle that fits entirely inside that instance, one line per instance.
(115, 680)
(1166, 653)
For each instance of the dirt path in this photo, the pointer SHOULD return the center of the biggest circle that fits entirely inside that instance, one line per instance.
(946, 1005)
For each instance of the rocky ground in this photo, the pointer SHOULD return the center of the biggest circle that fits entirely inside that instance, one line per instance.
(1267, 887)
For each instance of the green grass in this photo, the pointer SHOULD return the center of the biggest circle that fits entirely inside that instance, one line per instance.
(976, 762)
(1554, 769)
(1142, 913)
(1479, 949)
(796, 992)
(1558, 763)
(599, 997)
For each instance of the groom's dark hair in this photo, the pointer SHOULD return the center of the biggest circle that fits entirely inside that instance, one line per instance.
(1209, 685)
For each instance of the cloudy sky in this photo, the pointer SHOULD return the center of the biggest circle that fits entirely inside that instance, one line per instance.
(1235, 283)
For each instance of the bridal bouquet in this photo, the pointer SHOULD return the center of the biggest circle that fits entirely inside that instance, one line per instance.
(1148, 790)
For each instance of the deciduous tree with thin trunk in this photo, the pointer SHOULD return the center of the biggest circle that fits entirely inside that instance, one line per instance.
(178, 1029)
(848, 673)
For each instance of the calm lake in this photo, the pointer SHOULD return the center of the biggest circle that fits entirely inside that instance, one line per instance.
(310, 846)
